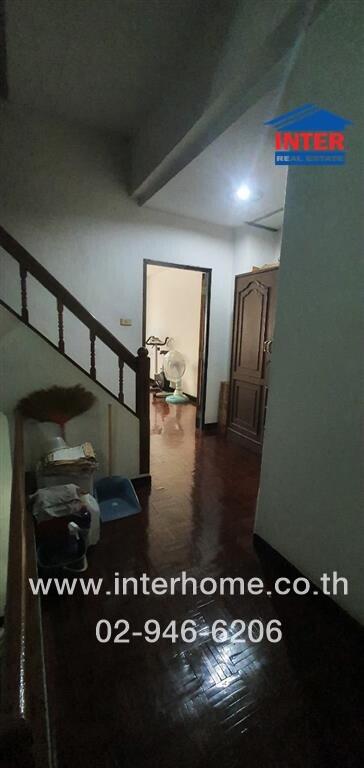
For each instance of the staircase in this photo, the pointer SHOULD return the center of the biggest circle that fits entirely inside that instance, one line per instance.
(139, 364)
(25, 731)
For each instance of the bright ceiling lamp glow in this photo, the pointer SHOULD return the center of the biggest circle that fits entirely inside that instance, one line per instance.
(243, 192)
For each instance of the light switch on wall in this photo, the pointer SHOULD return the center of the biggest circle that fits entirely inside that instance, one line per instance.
(125, 321)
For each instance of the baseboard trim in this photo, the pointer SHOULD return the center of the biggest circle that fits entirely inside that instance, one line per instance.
(142, 481)
(275, 560)
(211, 428)
(192, 398)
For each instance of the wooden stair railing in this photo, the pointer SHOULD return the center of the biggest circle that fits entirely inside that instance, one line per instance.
(140, 364)
(24, 722)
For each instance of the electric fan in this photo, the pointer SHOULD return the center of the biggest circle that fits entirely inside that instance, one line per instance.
(174, 368)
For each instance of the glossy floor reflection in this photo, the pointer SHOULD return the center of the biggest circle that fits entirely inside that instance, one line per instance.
(296, 704)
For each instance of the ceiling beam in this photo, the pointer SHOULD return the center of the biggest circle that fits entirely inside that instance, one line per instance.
(244, 50)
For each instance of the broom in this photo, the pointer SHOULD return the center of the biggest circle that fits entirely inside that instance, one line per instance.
(56, 404)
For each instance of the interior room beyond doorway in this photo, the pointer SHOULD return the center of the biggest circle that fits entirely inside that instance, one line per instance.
(175, 308)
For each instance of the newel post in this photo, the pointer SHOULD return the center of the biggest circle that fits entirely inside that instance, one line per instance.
(142, 409)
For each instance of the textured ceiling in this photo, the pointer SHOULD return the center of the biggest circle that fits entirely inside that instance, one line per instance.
(108, 63)
(104, 63)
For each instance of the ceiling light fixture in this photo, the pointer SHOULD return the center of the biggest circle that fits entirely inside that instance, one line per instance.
(243, 192)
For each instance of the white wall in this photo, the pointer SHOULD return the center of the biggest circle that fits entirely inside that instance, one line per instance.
(173, 309)
(62, 197)
(310, 505)
(254, 247)
(29, 363)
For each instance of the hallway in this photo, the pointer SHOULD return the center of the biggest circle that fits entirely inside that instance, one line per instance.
(294, 704)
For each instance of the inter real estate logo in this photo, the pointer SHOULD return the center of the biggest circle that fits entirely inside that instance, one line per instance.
(309, 136)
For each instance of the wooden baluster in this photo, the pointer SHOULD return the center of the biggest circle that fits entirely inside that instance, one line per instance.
(60, 325)
(142, 409)
(121, 380)
(24, 298)
(92, 354)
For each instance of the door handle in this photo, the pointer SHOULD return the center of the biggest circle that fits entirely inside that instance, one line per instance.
(267, 346)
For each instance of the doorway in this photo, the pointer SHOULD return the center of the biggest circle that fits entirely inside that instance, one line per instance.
(176, 304)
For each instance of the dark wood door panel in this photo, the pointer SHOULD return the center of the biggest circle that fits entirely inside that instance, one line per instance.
(254, 315)
(246, 408)
(251, 314)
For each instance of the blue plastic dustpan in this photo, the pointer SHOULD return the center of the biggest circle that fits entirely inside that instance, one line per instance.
(117, 498)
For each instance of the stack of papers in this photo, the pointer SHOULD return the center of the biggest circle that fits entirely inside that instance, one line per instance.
(81, 457)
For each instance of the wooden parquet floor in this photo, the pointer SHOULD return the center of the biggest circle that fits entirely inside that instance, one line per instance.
(295, 704)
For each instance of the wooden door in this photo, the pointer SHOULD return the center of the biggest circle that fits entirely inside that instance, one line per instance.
(253, 327)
